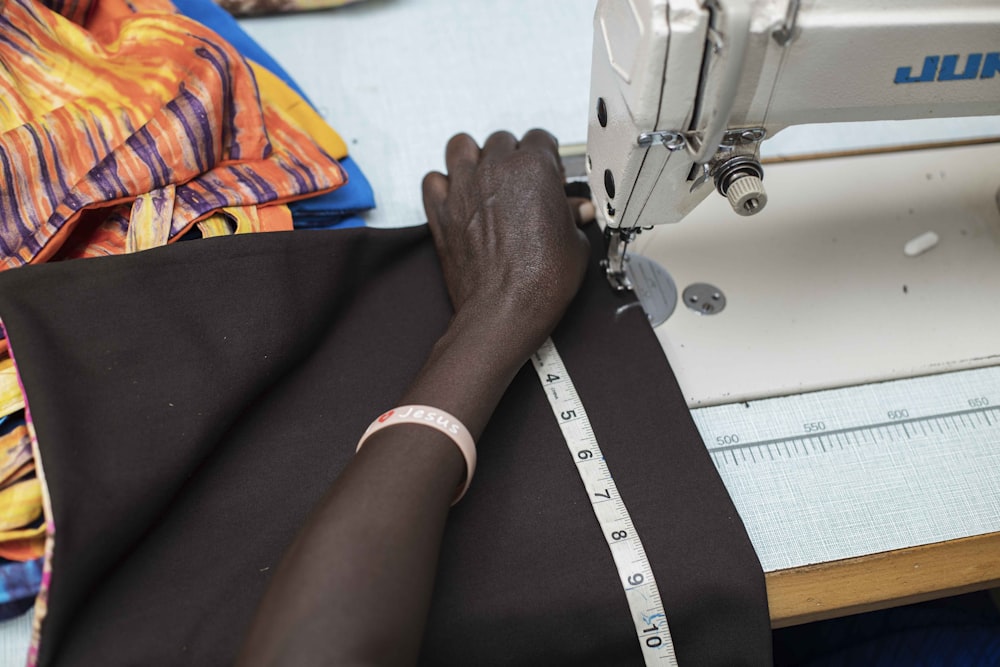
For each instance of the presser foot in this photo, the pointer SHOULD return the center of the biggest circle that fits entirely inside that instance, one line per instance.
(651, 283)
(614, 264)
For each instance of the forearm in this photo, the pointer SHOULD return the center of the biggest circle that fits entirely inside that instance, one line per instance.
(470, 368)
(356, 585)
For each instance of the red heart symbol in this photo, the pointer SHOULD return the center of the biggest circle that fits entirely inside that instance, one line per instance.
(385, 416)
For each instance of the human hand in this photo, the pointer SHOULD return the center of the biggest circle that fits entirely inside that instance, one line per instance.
(512, 254)
(513, 258)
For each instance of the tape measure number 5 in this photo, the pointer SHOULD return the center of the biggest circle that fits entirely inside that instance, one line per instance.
(630, 559)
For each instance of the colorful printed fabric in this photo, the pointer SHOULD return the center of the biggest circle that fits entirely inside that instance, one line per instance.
(22, 537)
(257, 7)
(119, 99)
(211, 15)
(334, 209)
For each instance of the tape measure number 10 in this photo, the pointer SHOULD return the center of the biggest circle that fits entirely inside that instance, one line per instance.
(630, 559)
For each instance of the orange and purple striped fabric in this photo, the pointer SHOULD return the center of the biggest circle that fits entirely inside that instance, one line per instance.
(116, 113)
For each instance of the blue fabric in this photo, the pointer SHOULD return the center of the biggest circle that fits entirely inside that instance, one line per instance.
(961, 630)
(320, 212)
(928, 647)
(347, 200)
(18, 582)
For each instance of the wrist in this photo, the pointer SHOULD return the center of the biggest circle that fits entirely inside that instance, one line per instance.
(467, 372)
(505, 337)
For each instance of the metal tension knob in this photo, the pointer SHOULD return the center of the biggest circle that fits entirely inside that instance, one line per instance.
(738, 179)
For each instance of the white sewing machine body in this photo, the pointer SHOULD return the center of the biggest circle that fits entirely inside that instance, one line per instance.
(682, 86)
(818, 290)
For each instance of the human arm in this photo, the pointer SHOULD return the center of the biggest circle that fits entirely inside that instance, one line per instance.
(355, 586)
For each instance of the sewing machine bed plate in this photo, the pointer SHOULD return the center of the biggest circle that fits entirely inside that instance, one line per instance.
(818, 290)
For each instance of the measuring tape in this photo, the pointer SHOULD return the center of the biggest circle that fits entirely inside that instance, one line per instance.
(634, 572)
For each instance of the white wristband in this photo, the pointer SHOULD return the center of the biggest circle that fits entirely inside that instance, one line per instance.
(435, 418)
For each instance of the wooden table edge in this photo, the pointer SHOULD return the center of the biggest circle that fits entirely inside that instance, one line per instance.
(877, 581)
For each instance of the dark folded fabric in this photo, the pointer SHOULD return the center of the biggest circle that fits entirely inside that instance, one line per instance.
(193, 403)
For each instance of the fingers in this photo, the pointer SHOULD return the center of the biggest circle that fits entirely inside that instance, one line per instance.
(498, 146)
(462, 153)
(543, 142)
(435, 190)
(460, 157)
(582, 210)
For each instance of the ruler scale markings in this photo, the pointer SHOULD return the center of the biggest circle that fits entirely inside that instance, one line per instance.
(926, 474)
(880, 428)
(634, 570)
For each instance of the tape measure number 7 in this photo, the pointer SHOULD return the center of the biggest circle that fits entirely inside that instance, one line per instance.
(630, 559)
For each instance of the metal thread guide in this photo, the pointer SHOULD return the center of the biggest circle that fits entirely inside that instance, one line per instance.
(634, 571)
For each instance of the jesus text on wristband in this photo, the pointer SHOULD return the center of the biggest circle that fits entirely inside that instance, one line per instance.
(425, 415)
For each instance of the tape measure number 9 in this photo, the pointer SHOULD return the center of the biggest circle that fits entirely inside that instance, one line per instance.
(630, 559)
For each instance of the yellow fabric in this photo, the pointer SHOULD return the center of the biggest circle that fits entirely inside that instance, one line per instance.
(20, 504)
(216, 224)
(11, 399)
(26, 544)
(298, 112)
(15, 455)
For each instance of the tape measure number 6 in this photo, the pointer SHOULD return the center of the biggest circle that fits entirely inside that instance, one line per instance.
(630, 559)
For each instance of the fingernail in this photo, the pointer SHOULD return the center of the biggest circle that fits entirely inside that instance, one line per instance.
(587, 211)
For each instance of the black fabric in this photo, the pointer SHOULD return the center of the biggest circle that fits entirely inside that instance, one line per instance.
(193, 403)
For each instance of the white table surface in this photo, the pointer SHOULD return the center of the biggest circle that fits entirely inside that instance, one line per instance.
(397, 78)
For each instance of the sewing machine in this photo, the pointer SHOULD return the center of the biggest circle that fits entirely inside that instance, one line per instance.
(874, 272)
(682, 95)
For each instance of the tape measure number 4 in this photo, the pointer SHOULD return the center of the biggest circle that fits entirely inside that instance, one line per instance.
(630, 559)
